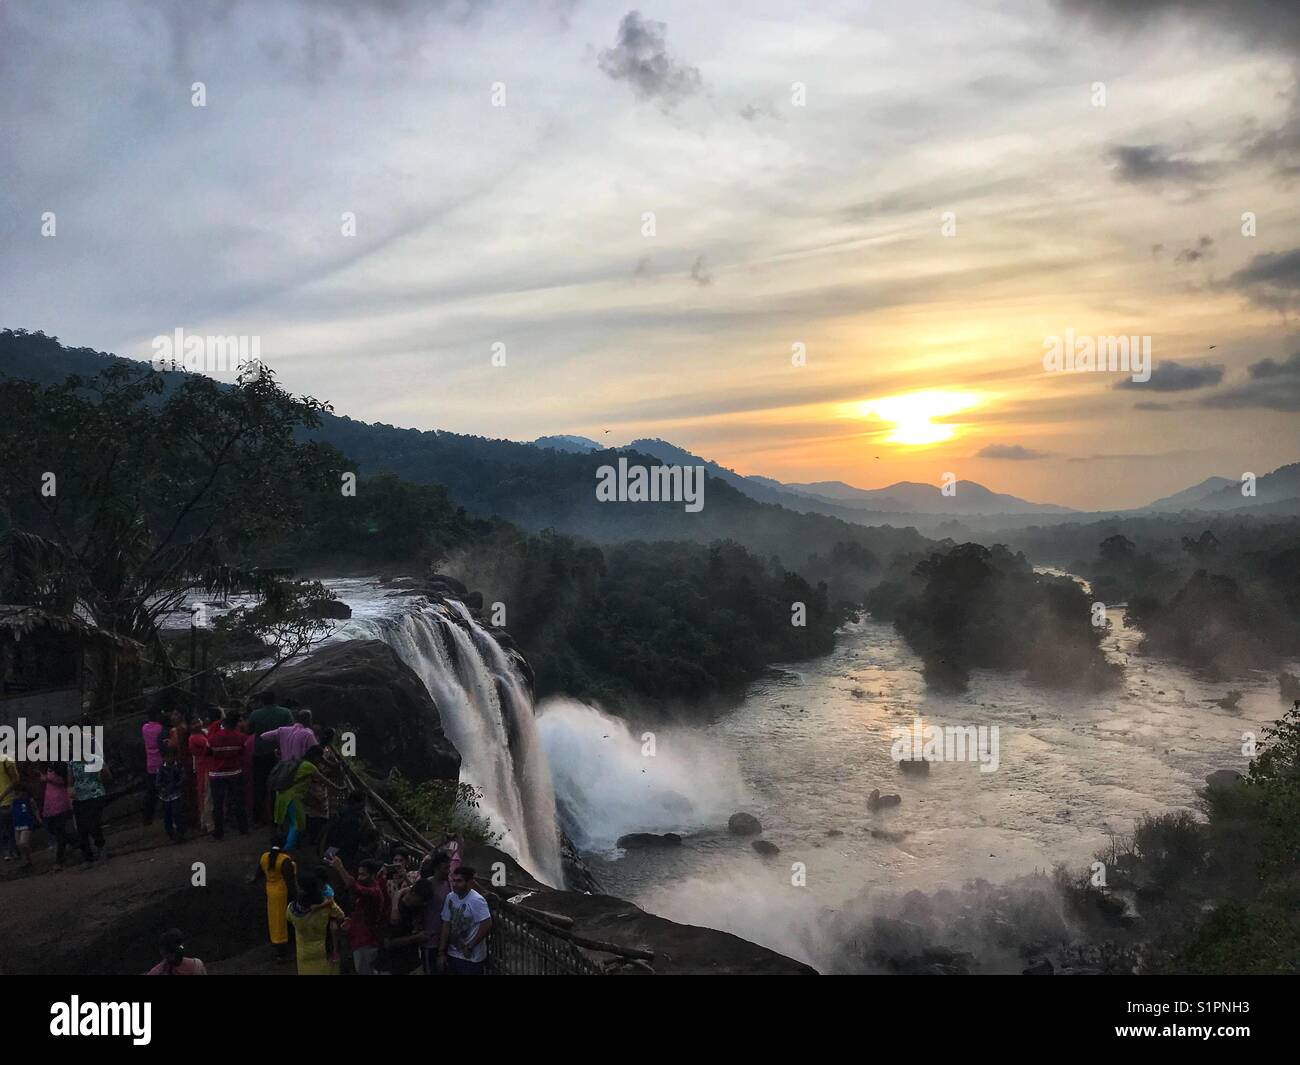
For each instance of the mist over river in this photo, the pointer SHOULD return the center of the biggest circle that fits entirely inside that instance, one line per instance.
(806, 746)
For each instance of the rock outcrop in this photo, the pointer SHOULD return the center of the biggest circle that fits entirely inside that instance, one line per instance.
(363, 687)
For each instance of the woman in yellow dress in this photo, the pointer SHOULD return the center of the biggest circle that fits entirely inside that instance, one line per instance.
(278, 869)
(318, 926)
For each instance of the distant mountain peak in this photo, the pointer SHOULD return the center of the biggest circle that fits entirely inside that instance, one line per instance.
(571, 444)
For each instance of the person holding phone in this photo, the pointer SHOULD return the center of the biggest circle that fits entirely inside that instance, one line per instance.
(369, 908)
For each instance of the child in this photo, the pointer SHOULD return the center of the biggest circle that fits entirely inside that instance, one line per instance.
(26, 817)
(171, 782)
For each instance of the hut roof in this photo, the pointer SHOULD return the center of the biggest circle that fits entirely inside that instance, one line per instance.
(17, 621)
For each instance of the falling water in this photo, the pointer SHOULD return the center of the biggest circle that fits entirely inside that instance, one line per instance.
(487, 712)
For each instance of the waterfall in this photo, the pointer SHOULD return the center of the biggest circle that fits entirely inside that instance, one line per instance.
(487, 712)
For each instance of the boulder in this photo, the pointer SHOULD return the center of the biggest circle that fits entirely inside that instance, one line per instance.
(743, 824)
(330, 608)
(876, 801)
(650, 839)
(765, 847)
(1222, 778)
(914, 768)
(363, 687)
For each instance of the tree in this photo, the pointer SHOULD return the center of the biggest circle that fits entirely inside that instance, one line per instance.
(125, 491)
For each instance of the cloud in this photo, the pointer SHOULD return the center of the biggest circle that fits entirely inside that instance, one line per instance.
(700, 273)
(1171, 376)
(1271, 23)
(1200, 250)
(1273, 385)
(641, 59)
(1155, 165)
(1271, 279)
(1271, 26)
(1009, 451)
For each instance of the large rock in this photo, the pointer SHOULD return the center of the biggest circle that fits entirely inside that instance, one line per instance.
(330, 608)
(1222, 778)
(650, 839)
(363, 687)
(743, 824)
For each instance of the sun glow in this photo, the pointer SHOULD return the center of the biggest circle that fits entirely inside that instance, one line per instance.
(913, 415)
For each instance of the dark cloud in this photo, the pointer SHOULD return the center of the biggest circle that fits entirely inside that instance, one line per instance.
(700, 273)
(1271, 279)
(1202, 249)
(1171, 376)
(641, 59)
(1013, 452)
(1273, 385)
(1158, 166)
(1274, 24)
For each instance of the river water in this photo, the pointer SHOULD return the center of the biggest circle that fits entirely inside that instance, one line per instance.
(806, 747)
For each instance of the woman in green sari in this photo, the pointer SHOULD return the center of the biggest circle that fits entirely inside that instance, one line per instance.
(290, 809)
(318, 925)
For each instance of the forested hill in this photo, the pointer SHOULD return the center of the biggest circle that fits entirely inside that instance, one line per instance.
(534, 488)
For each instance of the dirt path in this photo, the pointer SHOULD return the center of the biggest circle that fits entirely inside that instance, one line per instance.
(106, 918)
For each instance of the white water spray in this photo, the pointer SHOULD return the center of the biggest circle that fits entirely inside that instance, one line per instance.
(610, 782)
(487, 712)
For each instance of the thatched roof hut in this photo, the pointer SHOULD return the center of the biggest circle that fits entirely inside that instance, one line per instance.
(46, 651)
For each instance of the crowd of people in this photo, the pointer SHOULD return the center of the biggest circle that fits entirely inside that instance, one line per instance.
(338, 896)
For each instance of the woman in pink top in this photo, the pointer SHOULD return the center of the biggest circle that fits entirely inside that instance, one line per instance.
(56, 808)
(151, 732)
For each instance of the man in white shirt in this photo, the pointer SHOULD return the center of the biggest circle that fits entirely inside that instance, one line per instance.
(466, 922)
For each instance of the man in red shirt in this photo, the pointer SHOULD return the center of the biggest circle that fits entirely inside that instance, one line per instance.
(226, 773)
(369, 907)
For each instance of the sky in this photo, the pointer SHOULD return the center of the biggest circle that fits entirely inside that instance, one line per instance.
(824, 241)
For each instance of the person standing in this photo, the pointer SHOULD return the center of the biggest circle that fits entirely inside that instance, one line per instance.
(171, 784)
(292, 742)
(366, 922)
(26, 818)
(278, 870)
(151, 732)
(9, 780)
(226, 774)
(267, 717)
(89, 792)
(436, 870)
(316, 923)
(199, 764)
(466, 922)
(56, 808)
(290, 808)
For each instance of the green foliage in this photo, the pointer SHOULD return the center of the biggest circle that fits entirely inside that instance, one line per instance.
(973, 607)
(388, 524)
(655, 622)
(439, 808)
(124, 491)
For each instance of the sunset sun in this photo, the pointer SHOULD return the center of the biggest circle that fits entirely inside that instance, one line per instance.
(913, 415)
